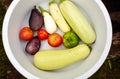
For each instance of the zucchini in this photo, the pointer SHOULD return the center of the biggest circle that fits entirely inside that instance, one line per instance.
(56, 59)
(57, 16)
(77, 21)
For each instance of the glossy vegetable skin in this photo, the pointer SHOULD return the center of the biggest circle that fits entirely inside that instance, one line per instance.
(70, 39)
(26, 33)
(33, 46)
(36, 19)
(55, 40)
(42, 34)
(49, 22)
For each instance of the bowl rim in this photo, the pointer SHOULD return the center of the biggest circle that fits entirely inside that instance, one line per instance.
(8, 50)
(27, 74)
(107, 45)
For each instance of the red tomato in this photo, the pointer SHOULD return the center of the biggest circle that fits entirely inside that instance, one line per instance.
(26, 34)
(42, 34)
(55, 40)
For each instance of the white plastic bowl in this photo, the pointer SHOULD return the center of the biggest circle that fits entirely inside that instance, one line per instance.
(17, 16)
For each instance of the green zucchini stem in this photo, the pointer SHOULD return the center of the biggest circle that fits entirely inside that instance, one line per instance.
(62, 1)
(52, 2)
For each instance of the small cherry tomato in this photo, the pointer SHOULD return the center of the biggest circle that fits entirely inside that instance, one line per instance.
(26, 34)
(55, 40)
(42, 34)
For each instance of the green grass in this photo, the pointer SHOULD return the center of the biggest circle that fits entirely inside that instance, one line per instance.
(3, 57)
(105, 72)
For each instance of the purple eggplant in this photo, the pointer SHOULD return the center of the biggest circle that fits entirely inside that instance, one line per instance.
(36, 19)
(33, 46)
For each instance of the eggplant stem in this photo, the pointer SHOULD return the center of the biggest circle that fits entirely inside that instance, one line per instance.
(42, 10)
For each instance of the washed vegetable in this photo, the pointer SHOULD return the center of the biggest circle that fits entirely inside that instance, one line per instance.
(77, 21)
(26, 33)
(70, 39)
(56, 59)
(55, 40)
(36, 19)
(42, 34)
(49, 23)
(57, 16)
(33, 46)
